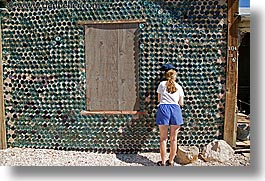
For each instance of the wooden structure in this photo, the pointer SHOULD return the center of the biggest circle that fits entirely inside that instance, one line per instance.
(243, 145)
(231, 80)
(112, 81)
(3, 144)
(117, 70)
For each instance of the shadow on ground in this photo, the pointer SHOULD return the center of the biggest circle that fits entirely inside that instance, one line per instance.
(135, 158)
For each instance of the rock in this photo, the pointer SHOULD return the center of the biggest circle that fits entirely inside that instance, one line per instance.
(187, 154)
(218, 150)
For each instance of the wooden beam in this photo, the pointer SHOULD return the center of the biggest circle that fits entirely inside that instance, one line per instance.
(243, 143)
(231, 73)
(244, 24)
(242, 150)
(111, 22)
(2, 108)
(111, 112)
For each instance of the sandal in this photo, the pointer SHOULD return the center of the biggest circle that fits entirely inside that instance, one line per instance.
(169, 164)
(160, 163)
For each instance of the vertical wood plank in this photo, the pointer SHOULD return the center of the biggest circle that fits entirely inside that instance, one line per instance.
(128, 58)
(87, 67)
(231, 75)
(102, 67)
(3, 143)
(109, 68)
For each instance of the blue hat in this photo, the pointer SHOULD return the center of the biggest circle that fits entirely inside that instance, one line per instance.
(167, 67)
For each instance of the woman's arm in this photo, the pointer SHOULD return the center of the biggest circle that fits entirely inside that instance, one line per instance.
(181, 100)
(158, 97)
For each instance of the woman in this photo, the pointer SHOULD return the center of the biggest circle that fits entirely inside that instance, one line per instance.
(170, 97)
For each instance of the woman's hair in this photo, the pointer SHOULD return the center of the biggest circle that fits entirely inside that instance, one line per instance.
(170, 76)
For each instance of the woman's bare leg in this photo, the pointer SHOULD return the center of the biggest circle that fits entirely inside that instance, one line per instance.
(163, 129)
(173, 142)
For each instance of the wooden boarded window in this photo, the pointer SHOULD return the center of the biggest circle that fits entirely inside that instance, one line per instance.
(111, 52)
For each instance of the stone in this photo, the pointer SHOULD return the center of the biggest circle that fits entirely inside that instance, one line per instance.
(217, 150)
(187, 154)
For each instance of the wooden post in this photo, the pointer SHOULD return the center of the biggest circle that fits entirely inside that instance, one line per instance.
(2, 108)
(231, 74)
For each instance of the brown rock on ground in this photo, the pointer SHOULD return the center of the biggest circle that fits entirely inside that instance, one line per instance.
(187, 154)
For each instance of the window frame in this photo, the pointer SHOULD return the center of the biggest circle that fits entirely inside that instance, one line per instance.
(91, 112)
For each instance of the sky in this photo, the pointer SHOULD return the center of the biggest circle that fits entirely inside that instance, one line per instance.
(244, 3)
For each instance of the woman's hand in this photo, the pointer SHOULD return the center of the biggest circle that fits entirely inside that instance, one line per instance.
(181, 100)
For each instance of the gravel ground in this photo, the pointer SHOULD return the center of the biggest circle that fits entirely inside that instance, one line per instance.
(48, 157)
